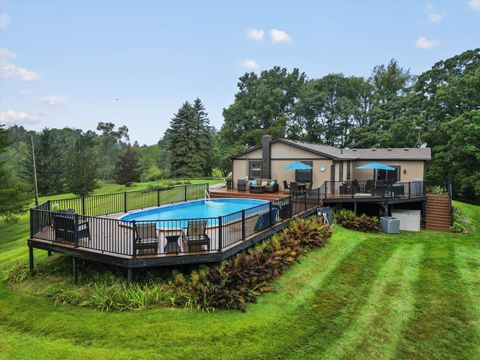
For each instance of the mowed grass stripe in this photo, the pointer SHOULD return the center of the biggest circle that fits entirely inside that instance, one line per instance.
(468, 262)
(380, 322)
(346, 291)
(441, 318)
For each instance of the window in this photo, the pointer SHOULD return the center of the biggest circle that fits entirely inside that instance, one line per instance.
(389, 176)
(304, 175)
(255, 169)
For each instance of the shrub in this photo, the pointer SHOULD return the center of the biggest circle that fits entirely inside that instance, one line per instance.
(460, 221)
(239, 281)
(364, 223)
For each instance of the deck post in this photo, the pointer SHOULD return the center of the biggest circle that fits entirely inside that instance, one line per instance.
(409, 189)
(291, 206)
(355, 207)
(326, 189)
(74, 270)
(305, 200)
(125, 201)
(49, 253)
(271, 213)
(318, 196)
(31, 260)
(130, 275)
(76, 231)
(220, 233)
(243, 224)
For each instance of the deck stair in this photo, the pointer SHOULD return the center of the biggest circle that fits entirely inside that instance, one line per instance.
(438, 212)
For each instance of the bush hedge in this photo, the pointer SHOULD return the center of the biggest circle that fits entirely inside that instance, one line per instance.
(364, 223)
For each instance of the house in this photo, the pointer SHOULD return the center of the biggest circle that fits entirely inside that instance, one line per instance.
(329, 164)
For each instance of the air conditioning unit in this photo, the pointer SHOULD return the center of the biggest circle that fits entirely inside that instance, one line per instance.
(390, 225)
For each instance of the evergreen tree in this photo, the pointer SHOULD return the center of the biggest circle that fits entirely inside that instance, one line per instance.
(50, 161)
(128, 167)
(14, 198)
(82, 165)
(190, 141)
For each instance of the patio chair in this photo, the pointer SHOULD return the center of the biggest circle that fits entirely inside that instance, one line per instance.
(264, 220)
(145, 240)
(242, 185)
(294, 189)
(195, 235)
(69, 228)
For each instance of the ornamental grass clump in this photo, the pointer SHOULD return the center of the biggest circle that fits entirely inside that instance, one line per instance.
(364, 223)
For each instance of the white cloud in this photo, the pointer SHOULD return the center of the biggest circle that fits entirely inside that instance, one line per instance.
(9, 70)
(433, 15)
(12, 117)
(250, 65)
(474, 5)
(255, 34)
(280, 36)
(53, 101)
(6, 56)
(424, 43)
(4, 19)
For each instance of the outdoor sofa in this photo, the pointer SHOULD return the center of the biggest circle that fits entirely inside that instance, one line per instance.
(263, 185)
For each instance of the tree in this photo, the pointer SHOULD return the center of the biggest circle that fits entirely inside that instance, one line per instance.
(458, 160)
(14, 197)
(128, 168)
(107, 151)
(189, 141)
(50, 161)
(328, 109)
(263, 105)
(82, 165)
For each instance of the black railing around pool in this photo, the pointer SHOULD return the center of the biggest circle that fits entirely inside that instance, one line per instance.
(83, 222)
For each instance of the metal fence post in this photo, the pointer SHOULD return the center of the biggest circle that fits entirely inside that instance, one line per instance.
(318, 196)
(83, 204)
(271, 213)
(158, 197)
(185, 192)
(220, 233)
(76, 231)
(291, 206)
(243, 224)
(125, 201)
(409, 189)
(305, 201)
(326, 185)
(134, 226)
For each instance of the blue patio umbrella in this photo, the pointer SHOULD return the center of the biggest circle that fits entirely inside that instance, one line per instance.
(298, 165)
(375, 166)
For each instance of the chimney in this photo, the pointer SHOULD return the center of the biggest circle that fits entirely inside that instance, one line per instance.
(266, 157)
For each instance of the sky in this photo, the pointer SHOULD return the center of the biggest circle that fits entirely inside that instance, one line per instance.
(76, 63)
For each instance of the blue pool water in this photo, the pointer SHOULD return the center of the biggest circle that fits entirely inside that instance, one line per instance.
(177, 215)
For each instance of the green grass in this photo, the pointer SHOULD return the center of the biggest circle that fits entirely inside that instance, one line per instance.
(363, 296)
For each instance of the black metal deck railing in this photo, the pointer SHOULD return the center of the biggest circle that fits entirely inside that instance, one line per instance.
(373, 189)
(82, 222)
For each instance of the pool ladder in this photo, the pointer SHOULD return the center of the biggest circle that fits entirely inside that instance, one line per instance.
(207, 196)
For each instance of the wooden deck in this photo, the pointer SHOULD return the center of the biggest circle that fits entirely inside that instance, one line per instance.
(224, 193)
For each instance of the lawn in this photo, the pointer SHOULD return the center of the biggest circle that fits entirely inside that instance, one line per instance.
(414, 295)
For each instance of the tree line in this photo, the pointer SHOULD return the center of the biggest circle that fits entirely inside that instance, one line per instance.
(389, 108)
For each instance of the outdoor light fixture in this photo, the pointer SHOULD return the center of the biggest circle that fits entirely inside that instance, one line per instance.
(404, 171)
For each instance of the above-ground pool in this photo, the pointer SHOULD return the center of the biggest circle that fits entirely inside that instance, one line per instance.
(177, 215)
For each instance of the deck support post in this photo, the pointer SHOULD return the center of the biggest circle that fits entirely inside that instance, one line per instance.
(130, 275)
(355, 207)
(49, 253)
(31, 259)
(74, 270)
